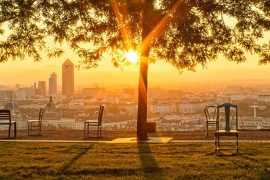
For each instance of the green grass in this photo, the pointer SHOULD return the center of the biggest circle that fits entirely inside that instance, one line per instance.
(131, 161)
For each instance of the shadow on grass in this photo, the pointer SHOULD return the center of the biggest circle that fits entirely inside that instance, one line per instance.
(150, 167)
(265, 176)
(68, 164)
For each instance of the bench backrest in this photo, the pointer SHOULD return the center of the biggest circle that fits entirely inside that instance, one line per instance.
(227, 107)
(210, 113)
(100, 114)
(40, 115)
(5, 117)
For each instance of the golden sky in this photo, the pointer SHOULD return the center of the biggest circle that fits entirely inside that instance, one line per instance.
(27, 72)
(160, 75)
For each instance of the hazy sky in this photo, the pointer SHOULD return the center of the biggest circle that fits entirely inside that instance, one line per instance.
(26, 72)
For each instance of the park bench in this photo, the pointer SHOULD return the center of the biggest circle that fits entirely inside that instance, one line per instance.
(211, 117)
(36, 124)
(5, 119)
(96, 123)
(229, 129)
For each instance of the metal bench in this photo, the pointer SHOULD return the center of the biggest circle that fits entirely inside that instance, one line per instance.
(97, 123)
(5, 119)
(211, 117)
(228, 130)
(36, 124)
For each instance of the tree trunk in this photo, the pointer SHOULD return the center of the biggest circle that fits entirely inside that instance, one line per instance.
(142, 99)
(142, 91)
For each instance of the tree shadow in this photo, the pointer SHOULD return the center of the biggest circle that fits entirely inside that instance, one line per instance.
(150, 167)
(83, 150)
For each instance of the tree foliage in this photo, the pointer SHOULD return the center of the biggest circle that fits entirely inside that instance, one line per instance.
(199, 30)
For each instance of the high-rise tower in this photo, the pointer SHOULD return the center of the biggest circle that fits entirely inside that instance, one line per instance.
(41, 88)
(68, 78)
(53, 84)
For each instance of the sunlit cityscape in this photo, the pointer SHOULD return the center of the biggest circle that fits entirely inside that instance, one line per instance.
(134, 89)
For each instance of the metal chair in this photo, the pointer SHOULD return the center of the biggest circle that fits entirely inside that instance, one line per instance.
(5, 119)
(211, 117)
(228, 130)
(36, 124)
(97, 123)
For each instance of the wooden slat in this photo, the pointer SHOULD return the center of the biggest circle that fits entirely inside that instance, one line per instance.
(5, 118)
(227, 148)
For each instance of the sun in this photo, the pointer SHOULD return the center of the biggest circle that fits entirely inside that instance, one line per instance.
(132, 56)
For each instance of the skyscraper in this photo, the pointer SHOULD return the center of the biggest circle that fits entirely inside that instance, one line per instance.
(68, 78)
(41, 88)
(53, 83)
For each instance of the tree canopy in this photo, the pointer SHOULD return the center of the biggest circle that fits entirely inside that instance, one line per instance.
(184, 33)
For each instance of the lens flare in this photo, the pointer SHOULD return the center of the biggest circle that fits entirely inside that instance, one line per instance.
(132, 56)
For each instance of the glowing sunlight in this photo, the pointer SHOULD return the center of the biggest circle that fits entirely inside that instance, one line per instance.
(132, 56)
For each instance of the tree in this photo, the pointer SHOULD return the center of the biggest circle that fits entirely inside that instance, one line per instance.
(184, 33)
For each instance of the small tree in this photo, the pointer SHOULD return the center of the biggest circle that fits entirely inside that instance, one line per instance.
(184, 33)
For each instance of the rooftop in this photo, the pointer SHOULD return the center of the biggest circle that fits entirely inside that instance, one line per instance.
(68, 62)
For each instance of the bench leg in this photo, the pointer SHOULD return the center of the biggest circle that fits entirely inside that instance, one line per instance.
(15, 129)
(100, 129)
(9, 129)
(28, 129)
(206, 133)
(87, 133)
(39, 130)
(84, 129)
(237, 150)
(215, 144)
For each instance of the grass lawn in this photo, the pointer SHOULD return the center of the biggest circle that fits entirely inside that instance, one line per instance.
(131, 161)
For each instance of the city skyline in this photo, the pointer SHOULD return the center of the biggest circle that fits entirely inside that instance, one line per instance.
(107, 76)
(134, 89)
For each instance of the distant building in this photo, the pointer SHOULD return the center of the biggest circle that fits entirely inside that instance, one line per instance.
(189, 107)
(25, 93)
(160, 108)
(129, 91)
(132, 109)
(92, 92)
(68, 78)
(17, 86)
(41, 90)
(5, 94)
(51, 106)
(11, 105)
(264, 98)
(53, 84)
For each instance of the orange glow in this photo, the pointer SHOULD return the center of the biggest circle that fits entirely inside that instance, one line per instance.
(132, 56)
(121, 14)
(161, 27)
(160, 74)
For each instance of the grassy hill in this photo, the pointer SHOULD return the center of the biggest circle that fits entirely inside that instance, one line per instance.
(131, 161)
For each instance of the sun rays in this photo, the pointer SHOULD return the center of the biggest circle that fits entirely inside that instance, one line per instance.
(121, 13)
